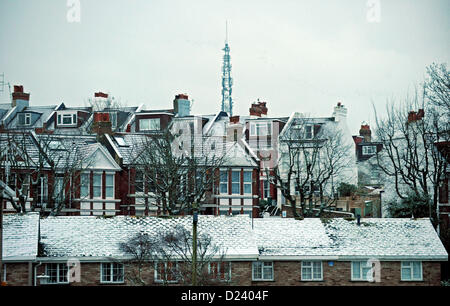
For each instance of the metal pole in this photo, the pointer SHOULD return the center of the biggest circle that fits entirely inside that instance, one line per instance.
(1, 239)
(194, 246)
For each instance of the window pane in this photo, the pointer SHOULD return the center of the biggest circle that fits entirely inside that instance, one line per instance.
(97, 185)
(247, 188)
(247, 176)
(356, 270)
(84, 185)
(106, 272)
(109, 185)
(417, 271)
(257, 270)
(317, 270)
(406, 273)
(306, 273)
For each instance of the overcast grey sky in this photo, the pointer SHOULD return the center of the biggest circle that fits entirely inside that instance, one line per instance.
(296, 55)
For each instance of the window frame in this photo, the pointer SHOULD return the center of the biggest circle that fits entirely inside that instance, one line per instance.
(226, 271)
(109, 187)
(362, 265)
(149, 120)
(262, 266)
(157, 274)
(94, 175)
(236, 183)
(411, 268)
(223, 183)
(311, 267)
(366, 151)
(73, 116)
(111, 266)
(246, 183)
(59, 267)
(85, 184)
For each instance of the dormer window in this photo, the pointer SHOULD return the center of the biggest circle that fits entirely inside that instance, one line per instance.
(25, 119)
(67, 119)
(309, 132)
(369, 150)
(150, 124)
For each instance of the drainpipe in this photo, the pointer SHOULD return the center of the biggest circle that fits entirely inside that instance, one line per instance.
(35, 271)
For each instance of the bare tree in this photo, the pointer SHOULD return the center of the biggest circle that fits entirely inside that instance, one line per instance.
(46, 164)
(409, 134)
(171, 252)
(176, 178)
(313, 159)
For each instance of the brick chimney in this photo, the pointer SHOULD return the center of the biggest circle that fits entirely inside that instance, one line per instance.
(20, 98)
(234, 119)
(365, 132)
(340, 112)
(182, 105)
(413, 116)
(258, 109)
(101, 124)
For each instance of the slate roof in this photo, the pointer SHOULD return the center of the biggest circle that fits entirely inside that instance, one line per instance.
(20, 236)
(381, 238)
(91, 237)
(98, 238)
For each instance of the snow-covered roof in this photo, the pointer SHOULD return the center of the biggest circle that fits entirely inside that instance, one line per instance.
(20, 237)
(240, 237)
(338, 238)
(98, 237)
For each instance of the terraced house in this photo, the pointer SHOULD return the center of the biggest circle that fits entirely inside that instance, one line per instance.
(267, 251)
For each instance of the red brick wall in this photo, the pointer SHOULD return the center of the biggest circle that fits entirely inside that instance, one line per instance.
(16, 274)
(288, 273)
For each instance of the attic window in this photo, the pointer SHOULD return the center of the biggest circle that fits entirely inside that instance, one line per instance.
(67, 119)
(25, 119)
(369, 150)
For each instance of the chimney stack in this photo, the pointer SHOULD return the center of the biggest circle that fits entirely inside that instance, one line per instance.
(340, 112)
(258, 109)
(365, 132)
(102, 124)
(182, 105)
(413, 116)
(20, 98)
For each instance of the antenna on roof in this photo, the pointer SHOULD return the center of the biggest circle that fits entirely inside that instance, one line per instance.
(226, 31)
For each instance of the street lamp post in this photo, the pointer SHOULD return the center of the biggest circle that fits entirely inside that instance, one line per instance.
(194, 245)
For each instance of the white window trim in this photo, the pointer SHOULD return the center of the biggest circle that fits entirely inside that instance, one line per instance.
(228, 278)
(88, 174)
(93, 185)
(57, 274)
(363, 264)
(149, 119)
(113, 185)
(60, 120)
(365, 150)
(239, 181)
(111, 273)
(247, 183)
(262, 279)
(312, 279)
(224, 183)
(165, 268)
(27, 116)
(411, 271)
